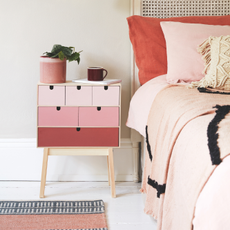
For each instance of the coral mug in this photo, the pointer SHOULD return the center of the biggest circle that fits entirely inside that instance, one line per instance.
(96, 73)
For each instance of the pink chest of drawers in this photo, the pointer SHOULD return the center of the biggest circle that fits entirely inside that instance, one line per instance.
(73, 115)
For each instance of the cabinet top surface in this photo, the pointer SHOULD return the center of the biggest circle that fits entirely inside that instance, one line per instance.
(70, 83)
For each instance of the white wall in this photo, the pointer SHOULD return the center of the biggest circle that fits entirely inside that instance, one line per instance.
(27, 29)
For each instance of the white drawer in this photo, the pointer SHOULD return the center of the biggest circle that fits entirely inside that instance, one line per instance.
(106, 95)
(79, 95)
(51, 95)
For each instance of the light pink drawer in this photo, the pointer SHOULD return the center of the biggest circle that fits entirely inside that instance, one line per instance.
(106, 95)
(51, 95)
(98, 116)
(57, 116)
(79, 95)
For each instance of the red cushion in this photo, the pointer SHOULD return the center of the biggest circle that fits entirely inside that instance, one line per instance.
(149, 44)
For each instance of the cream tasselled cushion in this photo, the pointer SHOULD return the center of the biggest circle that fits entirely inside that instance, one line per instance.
(216, 53)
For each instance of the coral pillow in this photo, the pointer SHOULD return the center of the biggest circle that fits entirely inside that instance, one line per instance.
(182, 40)
(149, 44)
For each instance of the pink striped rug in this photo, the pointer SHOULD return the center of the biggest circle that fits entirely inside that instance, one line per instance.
(51, 215)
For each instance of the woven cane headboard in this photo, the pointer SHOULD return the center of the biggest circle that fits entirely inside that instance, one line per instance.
(181, 8)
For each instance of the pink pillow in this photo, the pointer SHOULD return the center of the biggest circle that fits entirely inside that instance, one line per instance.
(182, 40)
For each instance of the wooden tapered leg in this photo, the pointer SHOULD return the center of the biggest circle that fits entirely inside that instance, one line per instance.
(108, 170)
(111, 169)
(44, 172)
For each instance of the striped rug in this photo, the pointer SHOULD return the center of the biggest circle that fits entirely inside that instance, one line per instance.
(52, 215)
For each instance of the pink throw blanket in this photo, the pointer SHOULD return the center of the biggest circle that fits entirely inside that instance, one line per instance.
(177, 136)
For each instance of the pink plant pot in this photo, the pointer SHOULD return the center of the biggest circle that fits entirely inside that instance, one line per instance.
(52, 70)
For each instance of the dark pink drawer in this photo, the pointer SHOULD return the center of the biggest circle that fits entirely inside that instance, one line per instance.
(106, 95)
(78, 137)
(98, 116)
(57, 116)
(51, 95)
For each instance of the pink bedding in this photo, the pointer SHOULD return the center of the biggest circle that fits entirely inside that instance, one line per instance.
(212, 206)
(141, 103)
(178, 162)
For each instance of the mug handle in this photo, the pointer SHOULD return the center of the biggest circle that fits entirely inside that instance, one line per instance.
(106, 72)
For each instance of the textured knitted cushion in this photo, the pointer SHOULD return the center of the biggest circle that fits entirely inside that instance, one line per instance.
(216, 53)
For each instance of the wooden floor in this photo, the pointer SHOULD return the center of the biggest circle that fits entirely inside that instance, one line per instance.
(123, 213)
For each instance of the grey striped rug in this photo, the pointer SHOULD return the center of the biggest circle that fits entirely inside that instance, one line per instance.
(51, 207)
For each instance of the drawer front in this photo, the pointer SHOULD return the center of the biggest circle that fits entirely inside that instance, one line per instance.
(98, 116)
(51, 95)
(79, 95)
(57, 116)
(106, 95)
(70, 137)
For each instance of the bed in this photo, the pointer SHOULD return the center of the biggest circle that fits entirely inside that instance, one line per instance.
(181, 109)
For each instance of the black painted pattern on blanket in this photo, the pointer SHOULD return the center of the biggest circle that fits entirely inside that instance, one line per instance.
(160, 188)
(148, 145)
(213, 136)
(205, 90)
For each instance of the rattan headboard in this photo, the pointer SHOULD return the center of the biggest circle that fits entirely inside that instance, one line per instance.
(179, 8)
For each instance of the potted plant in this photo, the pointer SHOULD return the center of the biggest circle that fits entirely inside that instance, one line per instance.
(53, 64)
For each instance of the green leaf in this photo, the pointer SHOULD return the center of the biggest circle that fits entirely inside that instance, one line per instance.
(61, 55)
(56, 49)
(74, 57)
(72, 48)
(50, 54)
(67, 51)
(54, 56)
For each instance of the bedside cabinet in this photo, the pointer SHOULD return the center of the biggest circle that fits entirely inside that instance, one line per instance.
(78, 119)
